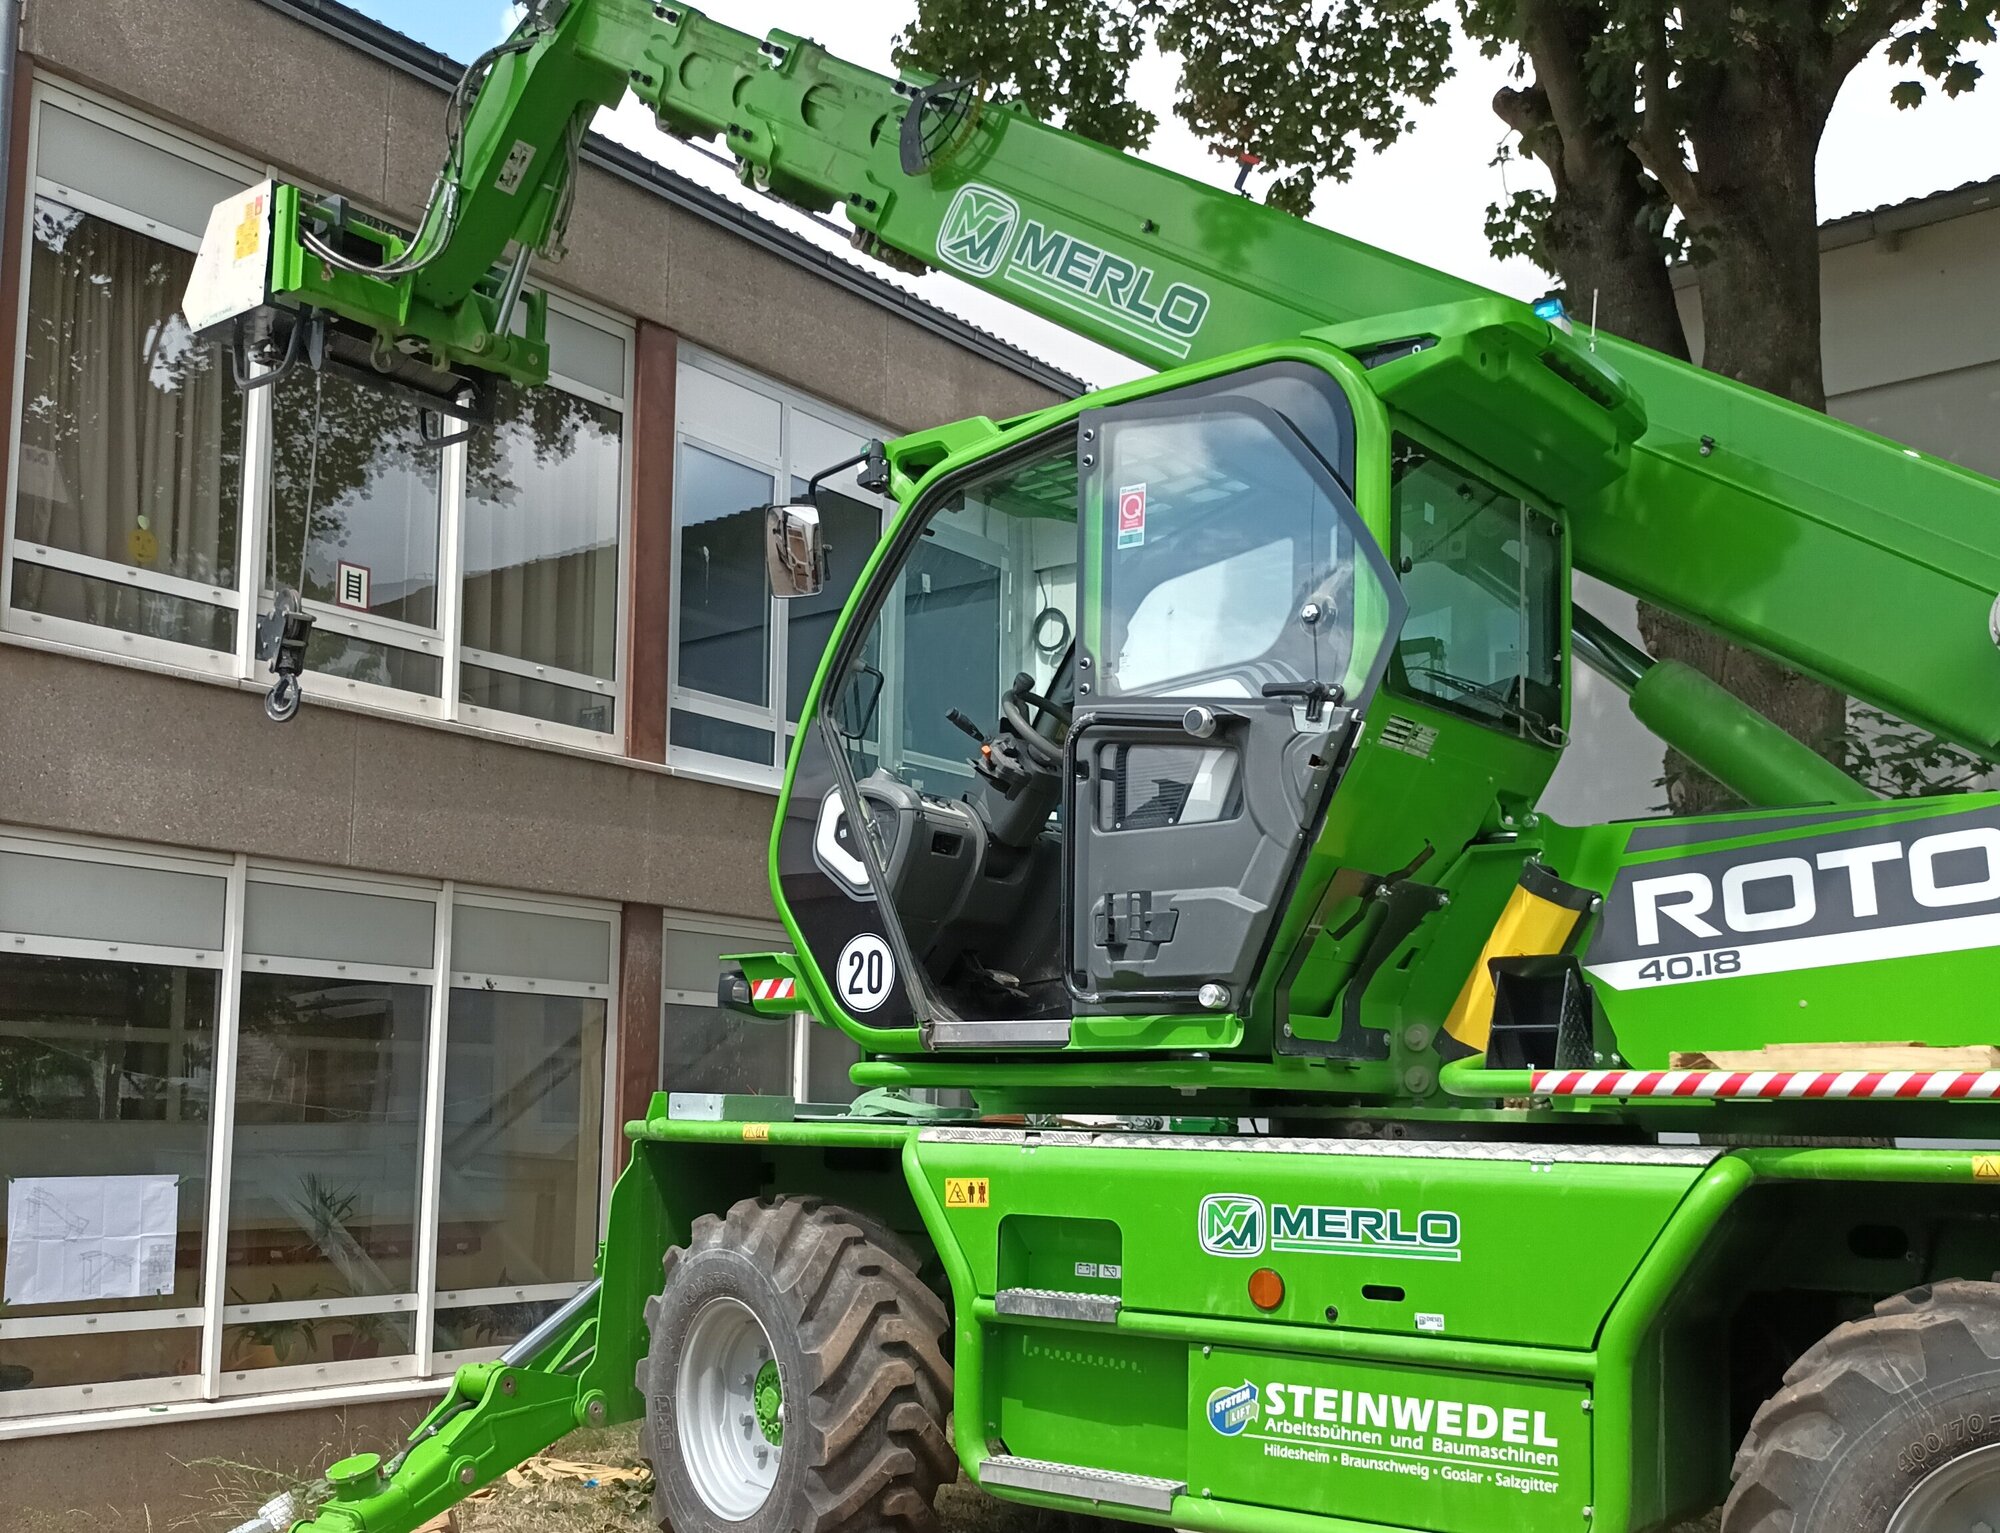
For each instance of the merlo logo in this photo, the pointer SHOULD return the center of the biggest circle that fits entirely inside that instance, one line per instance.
(1232, 1224)
(978, 231)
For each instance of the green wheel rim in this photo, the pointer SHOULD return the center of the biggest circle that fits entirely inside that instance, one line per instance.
(770, 1397)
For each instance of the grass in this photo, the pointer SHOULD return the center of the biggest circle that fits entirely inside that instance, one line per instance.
(225, 1492)
(573, 1508)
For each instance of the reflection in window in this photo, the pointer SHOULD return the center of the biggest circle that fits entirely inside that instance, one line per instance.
(287, 1341)
(541, 557)
(725, 597)
(1229, 561)
(1483, 582)
(131, 434)
(329, 1103)
(851, 528)
(523, 1105)
(989, 584)
(105, 1071)
(359, 492)
(708, 1049)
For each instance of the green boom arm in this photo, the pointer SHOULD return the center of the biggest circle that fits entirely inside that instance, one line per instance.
(1849, 557)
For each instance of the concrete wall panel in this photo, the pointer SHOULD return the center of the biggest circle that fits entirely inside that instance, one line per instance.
(107, 751)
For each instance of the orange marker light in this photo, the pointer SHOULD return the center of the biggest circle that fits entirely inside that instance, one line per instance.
(1267, 1289)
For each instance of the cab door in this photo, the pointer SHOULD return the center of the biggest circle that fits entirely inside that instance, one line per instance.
(1238, 616)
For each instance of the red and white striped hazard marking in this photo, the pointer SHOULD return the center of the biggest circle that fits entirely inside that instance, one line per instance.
(1784, 1085)
(773, 989)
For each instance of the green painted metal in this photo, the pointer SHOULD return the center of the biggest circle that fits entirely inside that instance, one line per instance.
(1725, 737)
(1738, 748)
(770, 1397)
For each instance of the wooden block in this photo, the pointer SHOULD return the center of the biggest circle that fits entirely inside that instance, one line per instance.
(1843, 1056)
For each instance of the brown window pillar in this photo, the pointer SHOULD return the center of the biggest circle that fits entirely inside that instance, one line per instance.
(642, 933)
(652, 542)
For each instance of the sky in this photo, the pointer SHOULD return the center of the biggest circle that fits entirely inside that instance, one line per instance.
(1424, 198)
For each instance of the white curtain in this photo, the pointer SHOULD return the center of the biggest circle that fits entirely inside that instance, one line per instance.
(541, 545)
(131, 433)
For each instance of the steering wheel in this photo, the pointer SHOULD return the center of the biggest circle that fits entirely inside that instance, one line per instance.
(1015, 705)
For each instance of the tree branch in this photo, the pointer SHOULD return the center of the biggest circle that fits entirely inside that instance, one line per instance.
(1527, 113)
(1657, 142)
(1870, 26)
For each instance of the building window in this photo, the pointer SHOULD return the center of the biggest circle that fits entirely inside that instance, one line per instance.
(543, 508)
(156, 505)
(704, 1048)
(357, 504)
(743, 662)
(524, 1121)
(129, 484)
(111, 977)
(367, 1168)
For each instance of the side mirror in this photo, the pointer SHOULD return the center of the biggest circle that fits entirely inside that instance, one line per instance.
(795, 551)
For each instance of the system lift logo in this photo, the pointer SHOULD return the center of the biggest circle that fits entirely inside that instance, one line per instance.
(1233, 1408)
(1232, 1224)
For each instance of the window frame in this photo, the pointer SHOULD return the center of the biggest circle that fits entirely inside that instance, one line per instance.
(1394, 677)
(769, 717)
(248, 597)
(748, 936)
(43, 96)
(26, 1410)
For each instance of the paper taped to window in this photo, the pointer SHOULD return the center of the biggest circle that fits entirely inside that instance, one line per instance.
(74, 1239)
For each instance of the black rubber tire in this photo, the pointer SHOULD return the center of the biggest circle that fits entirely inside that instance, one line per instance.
(858, 1340)
(1869, 1411)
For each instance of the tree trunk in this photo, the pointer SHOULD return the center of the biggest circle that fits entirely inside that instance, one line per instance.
(1601, 240)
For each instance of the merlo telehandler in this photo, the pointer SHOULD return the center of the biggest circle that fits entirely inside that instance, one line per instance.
(1341, 1144)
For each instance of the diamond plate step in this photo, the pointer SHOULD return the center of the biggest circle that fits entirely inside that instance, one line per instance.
(1006, 1471)
(1058, 1304)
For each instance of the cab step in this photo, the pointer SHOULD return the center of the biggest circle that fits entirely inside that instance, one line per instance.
(1058, 1304)
(1003, 1471)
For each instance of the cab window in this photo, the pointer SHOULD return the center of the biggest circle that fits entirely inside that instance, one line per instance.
(1230, 559)
(1482, 573)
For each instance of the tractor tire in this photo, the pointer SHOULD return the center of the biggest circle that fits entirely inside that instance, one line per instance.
(1887, 1425)
(796, 1380)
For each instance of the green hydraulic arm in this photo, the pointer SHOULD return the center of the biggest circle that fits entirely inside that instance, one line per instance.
(1735, 509)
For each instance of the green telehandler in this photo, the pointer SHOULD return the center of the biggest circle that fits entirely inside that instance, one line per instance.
(1346, 1145)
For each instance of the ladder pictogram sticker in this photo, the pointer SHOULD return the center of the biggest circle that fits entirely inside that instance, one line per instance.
(968, 1192)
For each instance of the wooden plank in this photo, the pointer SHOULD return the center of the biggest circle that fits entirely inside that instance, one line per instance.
(1843, 1056)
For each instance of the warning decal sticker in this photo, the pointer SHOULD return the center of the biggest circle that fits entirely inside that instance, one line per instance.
(1132, 516)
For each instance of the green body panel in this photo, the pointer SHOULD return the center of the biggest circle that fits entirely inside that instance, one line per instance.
(1852, 987)
(1535, 1397)
(1445, 1233)
(1333, 1444)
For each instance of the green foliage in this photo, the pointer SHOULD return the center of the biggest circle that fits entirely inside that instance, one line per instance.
(1898, 760)
(1067, 61)
(1305, 85)
(1519, 226)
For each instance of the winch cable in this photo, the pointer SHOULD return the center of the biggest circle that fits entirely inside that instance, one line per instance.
(312, 478)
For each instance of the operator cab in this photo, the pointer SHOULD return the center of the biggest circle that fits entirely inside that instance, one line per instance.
(1087, 713)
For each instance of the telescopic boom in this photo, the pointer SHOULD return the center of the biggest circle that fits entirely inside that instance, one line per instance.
(1863, 563)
